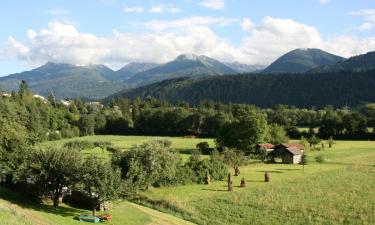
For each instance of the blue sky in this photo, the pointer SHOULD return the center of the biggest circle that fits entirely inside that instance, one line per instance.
(115, 32)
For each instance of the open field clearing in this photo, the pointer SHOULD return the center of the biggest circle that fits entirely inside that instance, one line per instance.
(338, 191)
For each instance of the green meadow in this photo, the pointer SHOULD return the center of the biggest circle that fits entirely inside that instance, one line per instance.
(338, 191)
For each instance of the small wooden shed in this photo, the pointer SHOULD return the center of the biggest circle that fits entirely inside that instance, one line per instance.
(289, 153)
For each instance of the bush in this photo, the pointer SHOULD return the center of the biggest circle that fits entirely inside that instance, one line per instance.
(165, 142)
(54, 136)
(215, 168)
(184, 175)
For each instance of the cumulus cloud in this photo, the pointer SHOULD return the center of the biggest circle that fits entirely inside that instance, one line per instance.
(247, 25)
(165, 40)
(368, 17)
(213, 4)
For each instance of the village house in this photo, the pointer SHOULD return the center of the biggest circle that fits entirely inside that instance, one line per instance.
(289, 153)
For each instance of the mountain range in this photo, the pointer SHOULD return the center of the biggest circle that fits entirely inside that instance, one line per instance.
(99, 81)
(346, 83)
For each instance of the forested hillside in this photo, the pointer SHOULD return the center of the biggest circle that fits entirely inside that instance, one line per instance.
(356, 64)
(265, 90)
(302, 60)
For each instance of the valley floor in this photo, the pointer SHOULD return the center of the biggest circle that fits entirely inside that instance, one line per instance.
(339, 191)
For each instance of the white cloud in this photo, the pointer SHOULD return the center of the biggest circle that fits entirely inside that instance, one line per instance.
(368, 17)
(59, 11)
(134, 9)
(165, 40)
(157, 9)
(247, 25)
(160, 25)
(324, 1)
(213, 4)
(164, 8)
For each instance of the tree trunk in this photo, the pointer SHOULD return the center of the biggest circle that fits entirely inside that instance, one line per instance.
(56, 196)
(93, 210)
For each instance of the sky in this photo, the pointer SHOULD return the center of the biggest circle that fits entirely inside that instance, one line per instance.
(116, 32)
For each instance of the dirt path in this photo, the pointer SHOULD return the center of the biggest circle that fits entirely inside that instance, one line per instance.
(159, 218)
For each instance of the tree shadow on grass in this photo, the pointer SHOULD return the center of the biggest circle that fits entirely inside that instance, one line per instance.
(287, 169)
(269, 171)
(33, 204)
(206, 189)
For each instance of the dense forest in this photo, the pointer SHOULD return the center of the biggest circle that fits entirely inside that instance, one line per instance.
(24, 115)
(266, 90)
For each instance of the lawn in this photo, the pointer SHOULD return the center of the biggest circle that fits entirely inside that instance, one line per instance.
(16, 210)
(339, 191)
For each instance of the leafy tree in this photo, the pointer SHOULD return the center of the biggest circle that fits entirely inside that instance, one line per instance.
(55, 168)
(100, 181)
(303, 141)
(314, 141)
(143, 165)
(203, 147)
(234, 159)
(249, 129)
(277, 134)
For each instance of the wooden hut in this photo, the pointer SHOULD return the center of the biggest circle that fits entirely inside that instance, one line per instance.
(289, 153)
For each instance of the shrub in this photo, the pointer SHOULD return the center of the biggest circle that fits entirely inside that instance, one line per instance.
(54, 136)
(165, 142)
(184, 175)
(215, 168)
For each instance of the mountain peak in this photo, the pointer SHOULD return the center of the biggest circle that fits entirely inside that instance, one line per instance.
(302, 60)
(193, 57)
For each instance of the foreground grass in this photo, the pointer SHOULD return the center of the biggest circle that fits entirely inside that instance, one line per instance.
(16, 210)
(339, 191)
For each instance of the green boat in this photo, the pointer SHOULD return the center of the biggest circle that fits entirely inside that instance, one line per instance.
(89, 218)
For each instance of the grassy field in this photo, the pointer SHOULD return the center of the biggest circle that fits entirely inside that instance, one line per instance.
(180, 144)
(15, 210)
(339, 191)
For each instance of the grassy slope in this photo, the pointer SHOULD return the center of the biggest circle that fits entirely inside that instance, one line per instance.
(339, 191)
(14, 210)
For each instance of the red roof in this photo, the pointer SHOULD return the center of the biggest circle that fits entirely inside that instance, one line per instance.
(293, 145)
(266, 145)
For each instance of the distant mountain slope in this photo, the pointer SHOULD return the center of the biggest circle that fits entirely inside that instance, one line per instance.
(245, 68)
(357, 63)
(183, 66)
(133, 68)
(302, 60)
(266, 90)
(66, 81)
